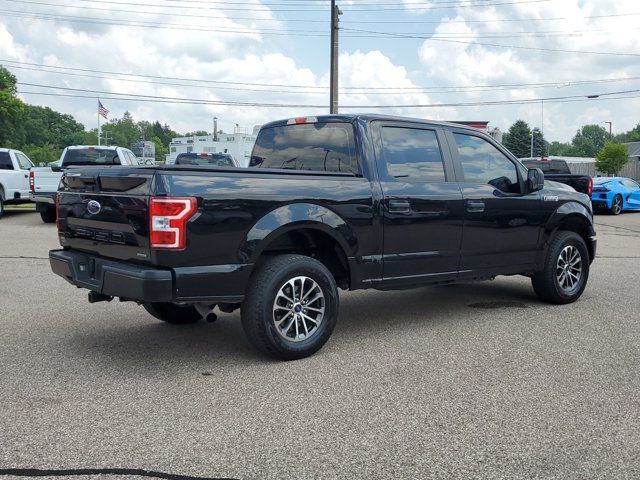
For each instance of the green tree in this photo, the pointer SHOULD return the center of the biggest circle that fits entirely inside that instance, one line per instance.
(161, 150)
(11, 111)
(589, 140)
(44, 126)
(123, 132)
(540, 145)
(611, 158)
(632, 135)
(42, 154)
(518, 139)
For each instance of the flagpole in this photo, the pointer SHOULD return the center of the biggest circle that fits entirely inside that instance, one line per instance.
(98, 121)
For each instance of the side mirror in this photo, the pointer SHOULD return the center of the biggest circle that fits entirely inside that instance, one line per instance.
(535, 180)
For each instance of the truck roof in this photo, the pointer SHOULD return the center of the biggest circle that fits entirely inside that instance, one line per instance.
(370, 117)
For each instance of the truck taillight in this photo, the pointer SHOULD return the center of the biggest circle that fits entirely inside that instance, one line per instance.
(58, 210)
(168, 217)
(590, 187)
(32, 182)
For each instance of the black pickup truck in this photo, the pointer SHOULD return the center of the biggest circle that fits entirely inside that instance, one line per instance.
(557, 170)
(344, 201)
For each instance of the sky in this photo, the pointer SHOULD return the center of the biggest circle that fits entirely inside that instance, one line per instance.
(182, 62)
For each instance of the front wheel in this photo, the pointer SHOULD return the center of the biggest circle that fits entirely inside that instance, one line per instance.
(291, 307)
(616, 205)
(566, 269)
(173, 313)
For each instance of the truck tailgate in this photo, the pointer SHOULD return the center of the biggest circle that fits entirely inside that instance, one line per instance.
(105, 211)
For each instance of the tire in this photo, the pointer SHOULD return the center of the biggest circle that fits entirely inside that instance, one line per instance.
(172, 313)
(555, 283)
(273, 325)
(616, 205)
(48, 215)
(1, 205)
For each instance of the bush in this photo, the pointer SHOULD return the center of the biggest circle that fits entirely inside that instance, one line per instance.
(612, 158)
(45, 154)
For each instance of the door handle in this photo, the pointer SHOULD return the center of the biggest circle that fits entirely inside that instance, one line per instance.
(399, 206)
(475, 206)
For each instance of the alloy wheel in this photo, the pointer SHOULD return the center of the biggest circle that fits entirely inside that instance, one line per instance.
(569, 269)
(298, 309)
(617, 205)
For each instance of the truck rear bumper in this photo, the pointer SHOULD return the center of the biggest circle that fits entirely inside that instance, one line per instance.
(213, 284)
(48, 198)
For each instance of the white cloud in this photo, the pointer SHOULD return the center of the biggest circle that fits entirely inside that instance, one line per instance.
(448, 63)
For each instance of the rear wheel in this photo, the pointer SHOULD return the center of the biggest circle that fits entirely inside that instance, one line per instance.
(291, 307)
(48, 215)
(1, 205)
(173, 313)
(566, 269)
(616, 205)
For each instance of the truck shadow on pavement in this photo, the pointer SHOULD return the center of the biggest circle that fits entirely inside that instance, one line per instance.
(136, 343)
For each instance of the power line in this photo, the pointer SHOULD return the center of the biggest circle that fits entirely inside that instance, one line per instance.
(141, 97)
(521, 47)
(90, 73)
(316, 33)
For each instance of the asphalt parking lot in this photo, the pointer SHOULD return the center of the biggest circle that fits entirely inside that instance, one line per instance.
(465, 381)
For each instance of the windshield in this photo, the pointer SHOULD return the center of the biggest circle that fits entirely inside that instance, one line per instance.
(205, 159)
(551, 166)
(323, 147)
(601, 180)
(91, 156)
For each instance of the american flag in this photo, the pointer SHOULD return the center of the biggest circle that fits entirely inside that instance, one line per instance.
(101, 110)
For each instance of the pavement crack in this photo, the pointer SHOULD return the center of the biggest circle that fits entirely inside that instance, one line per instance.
(37, 472)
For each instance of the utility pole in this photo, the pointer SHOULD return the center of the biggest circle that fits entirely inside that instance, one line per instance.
(610, 135)
(335, 51)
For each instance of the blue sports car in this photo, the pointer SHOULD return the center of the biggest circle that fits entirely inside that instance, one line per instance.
(616, 194)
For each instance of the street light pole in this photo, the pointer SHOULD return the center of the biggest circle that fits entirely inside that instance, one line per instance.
(335, 51)
(531, 143)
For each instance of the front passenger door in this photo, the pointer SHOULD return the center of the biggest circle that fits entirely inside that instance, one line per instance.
(503, 222)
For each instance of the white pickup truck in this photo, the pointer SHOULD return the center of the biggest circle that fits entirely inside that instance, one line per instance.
(14, 177)
(44, 181)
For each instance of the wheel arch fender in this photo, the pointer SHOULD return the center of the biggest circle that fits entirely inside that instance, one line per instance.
(292, 217)
(571, 216)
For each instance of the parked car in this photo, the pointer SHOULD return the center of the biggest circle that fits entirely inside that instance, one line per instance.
(558, 171)
(341, 201)
(615, 194)
(44, 181)
(14, 177)
(206, 159)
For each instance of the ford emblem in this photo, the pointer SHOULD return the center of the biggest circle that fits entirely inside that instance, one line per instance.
(93, 207)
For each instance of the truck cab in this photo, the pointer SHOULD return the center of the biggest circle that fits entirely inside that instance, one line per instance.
(14, 177)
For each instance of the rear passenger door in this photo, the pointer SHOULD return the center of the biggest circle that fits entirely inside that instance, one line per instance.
(421, 205)
(502, 221)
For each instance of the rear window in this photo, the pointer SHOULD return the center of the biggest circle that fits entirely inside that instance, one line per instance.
(552, 166)
(5, 161)
(601, 180)
(205, 159)
(91, 156)
(320, 147)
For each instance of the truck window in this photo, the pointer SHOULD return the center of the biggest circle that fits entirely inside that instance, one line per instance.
(323, 147)
(91, 156)
(5, 161)
(23, 161)
(412, 153)
(484, 163)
